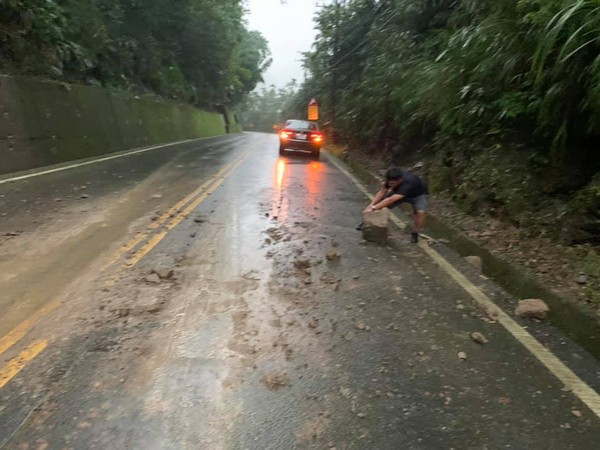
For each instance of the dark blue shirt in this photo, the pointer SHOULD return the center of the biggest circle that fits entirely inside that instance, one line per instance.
(411, 187)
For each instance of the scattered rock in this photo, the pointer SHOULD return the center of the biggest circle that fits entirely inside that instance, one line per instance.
(479, 338)
(582, 279)
(85, 196)
(314, 323)
(462, 355)
(275, 382)
(504, 400)
(302, 264)
(58, 199)
(361, 326)
(532, 308)
(329, 278)
(156, 196)
(164, 273)
(375, 226)
(475, 261)
(333, 256)
(361, 415)
(199, 220)
(275, 234)
(152, 278)
(490, 315)
(11, 234)
(123, 312)
(576, 413)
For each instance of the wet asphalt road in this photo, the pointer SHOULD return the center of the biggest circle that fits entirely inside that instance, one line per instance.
(257, 340)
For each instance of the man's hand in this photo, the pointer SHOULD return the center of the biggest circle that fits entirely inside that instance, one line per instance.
(385, 203)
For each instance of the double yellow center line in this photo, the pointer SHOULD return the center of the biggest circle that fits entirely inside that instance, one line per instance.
(147, 240)
(144, 242)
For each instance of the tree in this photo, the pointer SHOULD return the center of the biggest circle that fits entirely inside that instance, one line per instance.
(407, 69)
(193, 50)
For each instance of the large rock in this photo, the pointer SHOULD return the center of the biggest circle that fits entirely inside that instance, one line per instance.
(532, 308)
(375, 226)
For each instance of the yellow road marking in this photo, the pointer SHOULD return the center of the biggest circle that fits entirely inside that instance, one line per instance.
(139, 237)
(16, 364)
(571, 381)
(179, 218)
(17, 333)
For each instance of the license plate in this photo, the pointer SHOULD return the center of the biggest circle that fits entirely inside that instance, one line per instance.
(301, 137)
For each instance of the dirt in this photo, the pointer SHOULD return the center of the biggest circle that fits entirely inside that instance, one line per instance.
(236, 327)
(555, 265)
(275, 382)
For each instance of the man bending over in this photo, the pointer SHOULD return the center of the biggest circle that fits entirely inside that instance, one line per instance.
(403, 187)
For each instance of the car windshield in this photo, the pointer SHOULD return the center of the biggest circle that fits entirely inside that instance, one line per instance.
(301, 125)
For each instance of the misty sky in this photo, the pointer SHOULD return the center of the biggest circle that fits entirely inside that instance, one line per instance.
(289, 30)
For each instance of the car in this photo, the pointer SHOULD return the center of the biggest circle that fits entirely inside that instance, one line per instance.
(301, 135)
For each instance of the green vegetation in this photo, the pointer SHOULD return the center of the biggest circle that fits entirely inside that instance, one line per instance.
(263, 109)
(504, 94)
(196, 51)
(53, 122)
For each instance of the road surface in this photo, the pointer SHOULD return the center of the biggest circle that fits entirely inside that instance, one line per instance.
(213, 295)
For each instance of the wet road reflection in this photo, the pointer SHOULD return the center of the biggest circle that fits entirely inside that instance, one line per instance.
(263, 321)
(314, 180)
(280, 172)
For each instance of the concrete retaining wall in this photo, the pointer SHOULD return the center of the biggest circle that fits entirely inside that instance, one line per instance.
(43, 123)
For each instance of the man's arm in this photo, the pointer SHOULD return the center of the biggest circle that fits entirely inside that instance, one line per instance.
(379, 196)
(386, 202)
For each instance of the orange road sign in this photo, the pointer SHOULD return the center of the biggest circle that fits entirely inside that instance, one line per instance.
(313, 110)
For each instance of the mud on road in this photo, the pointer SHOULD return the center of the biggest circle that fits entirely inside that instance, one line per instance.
(263, 321)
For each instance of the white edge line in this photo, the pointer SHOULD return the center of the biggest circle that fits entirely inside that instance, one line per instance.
(106, 158)
(572, 382)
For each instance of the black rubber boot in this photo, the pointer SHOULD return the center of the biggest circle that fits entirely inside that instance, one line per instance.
(414, 237)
